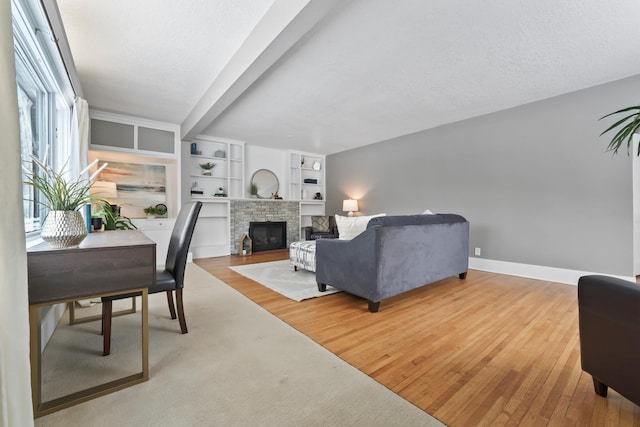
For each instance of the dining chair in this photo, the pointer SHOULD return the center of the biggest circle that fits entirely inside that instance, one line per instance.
(169, 279)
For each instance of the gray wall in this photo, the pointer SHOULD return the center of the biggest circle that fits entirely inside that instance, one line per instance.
(534, 181)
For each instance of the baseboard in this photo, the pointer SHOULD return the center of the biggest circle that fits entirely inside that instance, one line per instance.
(539, 272)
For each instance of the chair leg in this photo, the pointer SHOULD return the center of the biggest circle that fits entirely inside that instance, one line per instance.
(172, 308)
(106, 327)
(183, 322)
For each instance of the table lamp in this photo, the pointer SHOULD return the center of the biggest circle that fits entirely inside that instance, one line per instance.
(350, 206)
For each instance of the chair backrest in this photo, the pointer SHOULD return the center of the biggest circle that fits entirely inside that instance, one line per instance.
(180, 241)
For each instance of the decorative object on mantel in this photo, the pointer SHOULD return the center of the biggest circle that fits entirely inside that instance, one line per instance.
(219, 153)
(253, 189)
(220, 193)
(245, 245)
(206, 168)
(276, 196)
(64, 226)
(267, 183)
(318, 196)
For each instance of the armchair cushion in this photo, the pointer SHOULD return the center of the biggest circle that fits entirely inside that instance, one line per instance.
(320, 224)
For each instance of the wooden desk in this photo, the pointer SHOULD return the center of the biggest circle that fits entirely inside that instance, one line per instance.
(107, 263)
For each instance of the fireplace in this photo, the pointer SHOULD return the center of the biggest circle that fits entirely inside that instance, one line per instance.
(268, 235)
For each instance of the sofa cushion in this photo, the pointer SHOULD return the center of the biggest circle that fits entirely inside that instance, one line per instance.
(350, 226)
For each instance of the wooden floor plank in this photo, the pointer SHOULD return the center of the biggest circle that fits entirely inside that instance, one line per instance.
(489, 350)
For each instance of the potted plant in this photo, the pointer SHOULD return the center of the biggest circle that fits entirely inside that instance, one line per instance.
(206, 168)
(150, 211)
(64, 225)
(253, 189)
(112, 218)
(627, 127)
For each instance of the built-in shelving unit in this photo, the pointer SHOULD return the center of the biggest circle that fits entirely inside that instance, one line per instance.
(306, 176)
(307, 184)
(227, 177)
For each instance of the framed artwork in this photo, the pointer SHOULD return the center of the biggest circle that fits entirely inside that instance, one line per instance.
(138, 185)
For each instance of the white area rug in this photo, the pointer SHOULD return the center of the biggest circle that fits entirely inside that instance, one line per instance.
(282, 278)
(239, 366)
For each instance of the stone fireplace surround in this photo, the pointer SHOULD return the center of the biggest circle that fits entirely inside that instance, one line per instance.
(242, 212)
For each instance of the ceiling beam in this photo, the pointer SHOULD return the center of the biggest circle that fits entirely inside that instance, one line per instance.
(282, 26)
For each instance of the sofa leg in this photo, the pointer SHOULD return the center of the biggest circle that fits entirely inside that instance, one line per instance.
(374, 306)
(463, 275)
(295, 268)
(600, 387)
(322, 287)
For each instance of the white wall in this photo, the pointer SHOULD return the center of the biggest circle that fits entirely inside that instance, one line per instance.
(257, 157)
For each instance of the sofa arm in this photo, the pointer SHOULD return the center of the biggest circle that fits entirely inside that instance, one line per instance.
(609, 324)
(307, 232)
(349, 265)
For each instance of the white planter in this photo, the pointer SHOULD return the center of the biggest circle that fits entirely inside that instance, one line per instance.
(64, 229)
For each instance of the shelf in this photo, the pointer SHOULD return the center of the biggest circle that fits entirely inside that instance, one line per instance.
(203, 157)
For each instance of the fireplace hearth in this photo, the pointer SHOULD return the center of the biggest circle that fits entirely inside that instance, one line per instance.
(268, 235)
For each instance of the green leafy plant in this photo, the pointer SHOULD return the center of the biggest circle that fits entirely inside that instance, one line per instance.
(627, 126)
(207, 166)
(112, 220)
(151, 210)
(253, 189)
(58, 193)
(159, 209)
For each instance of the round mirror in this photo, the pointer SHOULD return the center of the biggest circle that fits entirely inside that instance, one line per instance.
(265, 183)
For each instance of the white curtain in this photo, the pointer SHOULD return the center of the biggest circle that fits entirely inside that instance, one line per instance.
(80, 132)
(15, 378)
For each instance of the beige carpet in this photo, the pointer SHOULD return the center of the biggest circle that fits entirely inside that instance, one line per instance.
(237, 366)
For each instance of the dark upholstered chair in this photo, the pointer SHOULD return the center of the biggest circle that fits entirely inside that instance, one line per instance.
(609, 315)
(322, 227)
(168, 280)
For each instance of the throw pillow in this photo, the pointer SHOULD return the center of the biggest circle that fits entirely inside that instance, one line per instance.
(427, 212)
(350, 226)
(320, 224)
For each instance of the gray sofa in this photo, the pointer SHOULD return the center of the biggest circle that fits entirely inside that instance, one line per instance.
(395, 254)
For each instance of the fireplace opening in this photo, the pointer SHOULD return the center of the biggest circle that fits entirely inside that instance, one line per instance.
(268, 235)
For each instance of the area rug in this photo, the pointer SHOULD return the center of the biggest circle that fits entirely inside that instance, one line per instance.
(282, 278)
(238, 366)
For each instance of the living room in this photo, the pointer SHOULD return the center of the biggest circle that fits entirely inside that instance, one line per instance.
(523, 161)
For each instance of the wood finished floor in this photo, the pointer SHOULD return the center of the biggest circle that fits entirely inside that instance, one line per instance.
(490, 350)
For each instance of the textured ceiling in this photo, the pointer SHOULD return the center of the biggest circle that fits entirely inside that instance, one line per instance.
(369, 70)
(154, 58)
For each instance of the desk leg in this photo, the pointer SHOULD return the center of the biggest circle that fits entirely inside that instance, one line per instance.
(145, 334)
(36, 368)
(43, 408)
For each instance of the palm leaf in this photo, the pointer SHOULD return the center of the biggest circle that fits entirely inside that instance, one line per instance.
(626, 128)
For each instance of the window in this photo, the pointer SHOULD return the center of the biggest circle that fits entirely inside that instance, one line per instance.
(45, 98)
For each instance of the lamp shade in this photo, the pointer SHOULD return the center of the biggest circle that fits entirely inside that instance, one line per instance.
(104, 189)
(350, 205)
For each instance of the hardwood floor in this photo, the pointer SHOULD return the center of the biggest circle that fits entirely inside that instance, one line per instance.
(489, 350)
